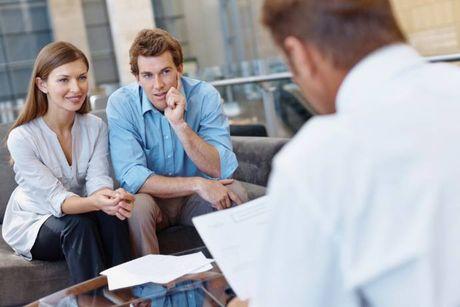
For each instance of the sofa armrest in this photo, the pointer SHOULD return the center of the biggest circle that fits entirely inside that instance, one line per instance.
(255, 155)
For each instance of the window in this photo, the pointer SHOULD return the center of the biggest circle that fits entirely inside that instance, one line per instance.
(24, 30)
(100, 42)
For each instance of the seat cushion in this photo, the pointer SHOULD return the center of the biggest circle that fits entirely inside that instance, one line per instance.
(23, 281)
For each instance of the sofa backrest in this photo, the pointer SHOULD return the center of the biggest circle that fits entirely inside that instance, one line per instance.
(7, 183)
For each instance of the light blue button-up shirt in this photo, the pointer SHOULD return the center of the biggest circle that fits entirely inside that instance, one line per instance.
(143, 143)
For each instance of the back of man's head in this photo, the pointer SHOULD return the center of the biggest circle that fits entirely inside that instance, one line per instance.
(343, 30)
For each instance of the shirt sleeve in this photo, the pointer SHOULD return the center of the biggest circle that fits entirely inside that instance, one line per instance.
(214, 130)
(128, 157)
(35, 178)
(97, 175)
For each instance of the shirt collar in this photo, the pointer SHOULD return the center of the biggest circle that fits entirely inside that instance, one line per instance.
(148, 106)
(365, 78)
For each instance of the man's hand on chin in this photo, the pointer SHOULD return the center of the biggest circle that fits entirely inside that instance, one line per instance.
(175, 108)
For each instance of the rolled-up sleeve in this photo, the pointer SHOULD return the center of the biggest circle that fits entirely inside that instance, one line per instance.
(214, 130)
(97, 176)
(128, 157)
(34, 177)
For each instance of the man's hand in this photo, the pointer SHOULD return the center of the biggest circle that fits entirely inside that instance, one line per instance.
(217, 193)
(175, 108)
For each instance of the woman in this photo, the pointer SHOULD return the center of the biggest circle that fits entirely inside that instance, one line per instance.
(64, 206)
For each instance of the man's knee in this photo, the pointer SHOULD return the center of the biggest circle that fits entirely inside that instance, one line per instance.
(144, 204)
(145, 209)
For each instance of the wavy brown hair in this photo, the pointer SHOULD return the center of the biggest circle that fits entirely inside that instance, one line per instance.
(344, 30)
(50, 57)
(154, 42)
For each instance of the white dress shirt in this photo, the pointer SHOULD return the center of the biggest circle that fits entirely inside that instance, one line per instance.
(367, 200)
(45, 178)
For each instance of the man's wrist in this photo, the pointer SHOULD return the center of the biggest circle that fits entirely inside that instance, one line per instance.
(179, 126)
(197, 184)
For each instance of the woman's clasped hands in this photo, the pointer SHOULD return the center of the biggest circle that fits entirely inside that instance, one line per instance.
(118, 202)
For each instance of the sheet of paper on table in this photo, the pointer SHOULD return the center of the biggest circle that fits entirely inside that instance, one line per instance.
(234, 237)
(159, 269)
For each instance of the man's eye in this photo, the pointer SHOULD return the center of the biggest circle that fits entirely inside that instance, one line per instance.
(165, 72)
(83, 78)
(63, 80)
(147, 76)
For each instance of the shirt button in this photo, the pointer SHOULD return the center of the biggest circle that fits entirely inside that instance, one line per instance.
(169, 156)
(166, 137)
(170, 174)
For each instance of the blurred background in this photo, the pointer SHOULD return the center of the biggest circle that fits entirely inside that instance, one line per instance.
(223, 43)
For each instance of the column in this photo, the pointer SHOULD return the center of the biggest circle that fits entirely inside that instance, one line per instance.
(127, 18)
(68, 23)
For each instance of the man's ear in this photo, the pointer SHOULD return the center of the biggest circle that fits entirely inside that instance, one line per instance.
(41, 84)
(180, 69)
(300, 56)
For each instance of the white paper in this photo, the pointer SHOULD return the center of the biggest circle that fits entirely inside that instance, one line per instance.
(235, 237)
(159, 269)
(204, 268)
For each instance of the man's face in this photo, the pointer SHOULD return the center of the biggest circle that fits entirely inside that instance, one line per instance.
(157, 74)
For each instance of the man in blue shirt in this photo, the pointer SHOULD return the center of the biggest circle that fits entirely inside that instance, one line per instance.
(169, 142)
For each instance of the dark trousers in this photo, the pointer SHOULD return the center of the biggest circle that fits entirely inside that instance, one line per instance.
(89, 242)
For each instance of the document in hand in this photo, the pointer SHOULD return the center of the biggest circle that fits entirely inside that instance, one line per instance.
(235, 237)
(159, 269)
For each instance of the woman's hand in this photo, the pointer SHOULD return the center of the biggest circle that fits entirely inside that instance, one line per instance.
(105, 200)
(118, 203)
(125, 204)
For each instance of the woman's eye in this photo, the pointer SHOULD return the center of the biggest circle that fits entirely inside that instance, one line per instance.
(83, 78)
(63, 80)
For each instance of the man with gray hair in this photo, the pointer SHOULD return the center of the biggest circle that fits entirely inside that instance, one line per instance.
(366, 197)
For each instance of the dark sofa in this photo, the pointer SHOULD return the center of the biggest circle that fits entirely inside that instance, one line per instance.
(22, 281)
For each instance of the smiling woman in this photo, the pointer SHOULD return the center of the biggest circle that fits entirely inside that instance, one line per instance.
(64, 206)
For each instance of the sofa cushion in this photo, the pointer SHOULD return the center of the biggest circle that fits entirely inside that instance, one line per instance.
(23, 281)
(255, 155)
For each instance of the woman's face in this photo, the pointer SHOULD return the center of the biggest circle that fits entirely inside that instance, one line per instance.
(66, 86)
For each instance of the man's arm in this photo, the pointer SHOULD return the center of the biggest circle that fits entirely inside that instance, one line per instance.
(210, 150)
(212, 191)
(204, 155)
(169, 187)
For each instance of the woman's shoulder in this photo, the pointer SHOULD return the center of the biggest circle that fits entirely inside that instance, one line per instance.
(91, 121)
(27, 135)
(26, 130)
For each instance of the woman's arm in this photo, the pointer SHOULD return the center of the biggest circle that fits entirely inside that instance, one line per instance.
(104, 199)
